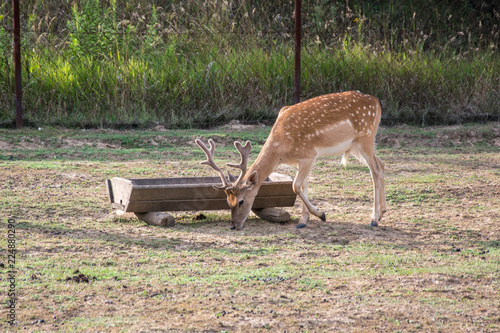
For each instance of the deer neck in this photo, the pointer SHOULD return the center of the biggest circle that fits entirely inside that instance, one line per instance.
(267, 161)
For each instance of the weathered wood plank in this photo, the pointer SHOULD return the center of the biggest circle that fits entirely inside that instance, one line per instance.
(119, 190)
(158, 192)
(176, 181)
(206, 204)
(176, 205)
(200, 192)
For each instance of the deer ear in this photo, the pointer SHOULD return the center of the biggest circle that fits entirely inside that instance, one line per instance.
(232, 178)
(252, 179)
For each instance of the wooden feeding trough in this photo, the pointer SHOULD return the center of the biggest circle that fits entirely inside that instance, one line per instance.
(149, 196)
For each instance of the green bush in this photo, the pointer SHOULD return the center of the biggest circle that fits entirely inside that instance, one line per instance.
(186, 64)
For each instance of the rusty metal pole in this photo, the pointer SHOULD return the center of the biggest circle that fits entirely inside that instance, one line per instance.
(298, 29)
(17, 64)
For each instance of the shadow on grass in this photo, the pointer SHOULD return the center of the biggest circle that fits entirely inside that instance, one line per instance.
(192, 236)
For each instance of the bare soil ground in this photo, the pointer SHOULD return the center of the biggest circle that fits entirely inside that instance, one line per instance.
(433, 265)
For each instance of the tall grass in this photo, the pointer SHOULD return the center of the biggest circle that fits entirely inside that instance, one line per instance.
(206, 63)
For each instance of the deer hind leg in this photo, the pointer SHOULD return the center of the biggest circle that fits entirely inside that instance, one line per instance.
(382, 203)
(300, 188)
(365, 154)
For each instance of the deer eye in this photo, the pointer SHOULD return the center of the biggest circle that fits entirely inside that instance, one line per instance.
(241, 202)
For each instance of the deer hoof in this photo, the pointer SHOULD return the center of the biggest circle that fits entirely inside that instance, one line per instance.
(323, 217)
(373, 224)
(233, 227)
(300, 226)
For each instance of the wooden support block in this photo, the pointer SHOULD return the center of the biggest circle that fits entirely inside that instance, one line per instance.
(157, 218)
(274, 215)
(121, 213)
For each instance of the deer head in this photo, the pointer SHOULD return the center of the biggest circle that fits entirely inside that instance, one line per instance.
(240, 191)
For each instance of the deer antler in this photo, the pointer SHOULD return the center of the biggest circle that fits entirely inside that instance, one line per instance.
(244, 152)
(211, 163)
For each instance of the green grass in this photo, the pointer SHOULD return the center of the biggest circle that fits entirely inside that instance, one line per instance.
(187, 100)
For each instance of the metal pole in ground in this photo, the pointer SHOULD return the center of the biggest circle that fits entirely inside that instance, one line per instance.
(17, 63)
(298, 28)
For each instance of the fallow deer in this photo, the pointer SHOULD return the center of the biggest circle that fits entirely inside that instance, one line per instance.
(329, 125)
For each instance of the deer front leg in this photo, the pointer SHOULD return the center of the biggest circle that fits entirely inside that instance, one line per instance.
(300, 188)
(305, 212)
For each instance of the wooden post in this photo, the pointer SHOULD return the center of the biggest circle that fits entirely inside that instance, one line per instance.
(17, 63)
(298, 30)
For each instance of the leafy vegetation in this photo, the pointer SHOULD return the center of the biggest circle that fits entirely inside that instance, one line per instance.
(95, 63)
